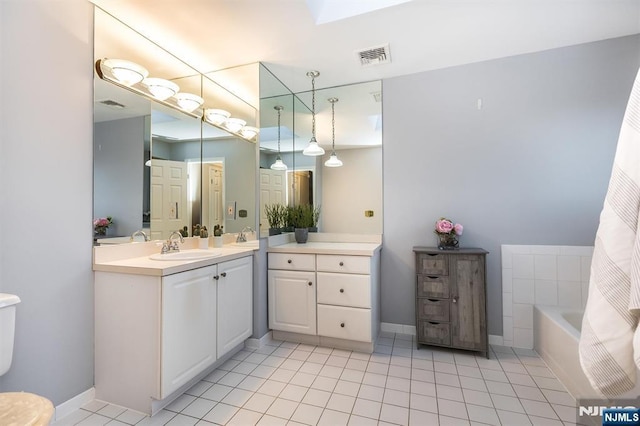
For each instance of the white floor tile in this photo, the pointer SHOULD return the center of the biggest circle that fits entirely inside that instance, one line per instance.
(452, 421)
(282, 408)
(395, 397)
(244, 418)
(511, 418)
(199, 388)
(251, 383)
(111, 411)
(94, 420)
(159, 419)
(464, 370)
(423, 375)
(422, 418)
(344, 387)
(450, 392)
(73, 418)
(361, 421)
(452, 409)
(473, 383)
(272, 387)
(324, 383)
(482, 414)
(232, 379)
(217, 392)
(537, 408)
(477, 398)
(199, 408)
(500, 388)
(367, 408)
(559, 397)
(398, 383)
(527, 392)
(237, 397)
(180, 403)
(259, 402)
(333, 418)
(182, 420)
(307, 414)
(293, 392)
(507, 403)
(374, 379)
(423, 388)
(94, 405)
(263, 371)
(310, 367)
(352, 375)
(373, 393)
(267, 420)
(394, 414)
(316, 398)
(342, 403)
(423, 403)
(447, 379)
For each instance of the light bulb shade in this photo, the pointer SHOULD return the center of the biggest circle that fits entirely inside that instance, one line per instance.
(189, 101)
(160, 88)
(125, 72)
(249, 132)
(279, 164)
(216, 116)
(313, 149)
(234, 124)
(333, 161)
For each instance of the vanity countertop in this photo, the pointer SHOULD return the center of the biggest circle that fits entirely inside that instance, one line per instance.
(136, 259)
(324, 247)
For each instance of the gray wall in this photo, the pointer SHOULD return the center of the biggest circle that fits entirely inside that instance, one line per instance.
(46, 125)
(118, 173)
(531, 167)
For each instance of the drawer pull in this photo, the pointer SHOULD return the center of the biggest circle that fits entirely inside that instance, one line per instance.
(224, 274)
(433, 300)
(342, 324)
(432, 277)
(289, 260)
(434, 323)
(431, 254)
(342, 290)
(341, 263)
(310, 283)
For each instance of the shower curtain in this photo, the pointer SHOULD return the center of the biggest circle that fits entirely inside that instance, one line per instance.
(610, 340)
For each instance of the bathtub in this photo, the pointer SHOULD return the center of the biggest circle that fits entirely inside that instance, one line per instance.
(556, 333)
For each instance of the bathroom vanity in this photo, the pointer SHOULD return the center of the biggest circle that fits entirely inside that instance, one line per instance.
(160, 325)
(325, 292)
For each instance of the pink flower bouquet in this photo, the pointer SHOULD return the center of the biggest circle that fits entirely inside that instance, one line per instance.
(447, 232)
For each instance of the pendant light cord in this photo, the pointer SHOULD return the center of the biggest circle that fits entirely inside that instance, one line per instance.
(313, 107)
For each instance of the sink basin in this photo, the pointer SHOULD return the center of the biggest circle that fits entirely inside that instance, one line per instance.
(251, 244)
(195, 254)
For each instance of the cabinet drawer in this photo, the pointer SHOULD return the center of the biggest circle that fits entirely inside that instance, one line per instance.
(292, 262)
(344, 289)
(433, 309)
(433, 286)
(432, 264)
(344, 323)
(434, 332)
(344, 264)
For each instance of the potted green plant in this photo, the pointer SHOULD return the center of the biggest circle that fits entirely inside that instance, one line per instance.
(302, 220)
(274, 217)
(288, 222)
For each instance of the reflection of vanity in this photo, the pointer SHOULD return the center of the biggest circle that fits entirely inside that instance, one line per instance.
(162, 325)
(327, 291)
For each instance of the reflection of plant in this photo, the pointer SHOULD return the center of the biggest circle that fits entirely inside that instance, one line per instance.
(302, 216)
(316, 215)
(101, 225)
(273, 215)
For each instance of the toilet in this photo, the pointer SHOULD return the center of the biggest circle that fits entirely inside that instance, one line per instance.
(17, 408)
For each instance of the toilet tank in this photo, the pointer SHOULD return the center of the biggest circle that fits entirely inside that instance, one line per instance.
(7, 329)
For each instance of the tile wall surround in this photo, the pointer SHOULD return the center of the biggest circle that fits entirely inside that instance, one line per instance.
(540, 275)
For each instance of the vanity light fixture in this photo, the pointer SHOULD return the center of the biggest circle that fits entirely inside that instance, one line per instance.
(160, 88)
(234, 124)
(216, 117)
(125, 72)
(279, 164)
(333, 160)
(188, 101)
(313, 148)
(249, 132)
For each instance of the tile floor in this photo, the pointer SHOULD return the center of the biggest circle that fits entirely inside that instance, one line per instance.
(287, 383)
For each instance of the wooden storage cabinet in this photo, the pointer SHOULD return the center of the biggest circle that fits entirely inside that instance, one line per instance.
(451, 298)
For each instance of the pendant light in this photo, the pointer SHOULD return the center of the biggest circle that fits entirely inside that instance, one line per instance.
(279, 164)
(333, 161)
(313, 148)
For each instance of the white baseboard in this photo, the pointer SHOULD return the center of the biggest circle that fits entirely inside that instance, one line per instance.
(74, 403)
(253, 343)
(398, 328)
(496, 340)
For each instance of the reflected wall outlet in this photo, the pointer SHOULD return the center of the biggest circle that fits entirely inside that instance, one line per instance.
(368, 213)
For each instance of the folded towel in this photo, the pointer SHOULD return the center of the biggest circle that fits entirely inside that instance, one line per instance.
(607, 342)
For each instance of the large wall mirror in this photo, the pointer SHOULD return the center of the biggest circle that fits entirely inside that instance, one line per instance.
(349, 197)
(160, 168)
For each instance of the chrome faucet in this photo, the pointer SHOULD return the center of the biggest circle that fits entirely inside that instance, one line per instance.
(242, 238)
(139, 232)
(171, 244)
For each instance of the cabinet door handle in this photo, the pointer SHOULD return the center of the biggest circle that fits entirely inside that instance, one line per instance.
(224, 274)
(341, 263)
(432, 300)
(432, 277)
(216, 277)
(342, 324)
(310, 283)
(289, 260)
(431, 254)
(342, 290)
(455, 299)
(433, 323)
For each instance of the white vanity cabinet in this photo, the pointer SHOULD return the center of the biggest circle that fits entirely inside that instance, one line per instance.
(292, 292)
(324, 298)
(156, 334)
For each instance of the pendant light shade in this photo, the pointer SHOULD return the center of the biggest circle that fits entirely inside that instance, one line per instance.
(333, 160)
(279, 164)
(189, 101)
(313, 149)
(160, 88)
(125, 72)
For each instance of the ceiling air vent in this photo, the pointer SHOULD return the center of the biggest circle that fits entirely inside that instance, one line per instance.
(374, 55)
(111, 104)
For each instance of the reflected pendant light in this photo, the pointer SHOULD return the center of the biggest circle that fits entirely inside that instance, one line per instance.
(160, 88)
(313, 148)
(333, 161)
(279, 164)
(188, 101)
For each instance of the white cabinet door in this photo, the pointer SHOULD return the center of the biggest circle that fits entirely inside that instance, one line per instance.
(188, 326)
(235, 303)
(292, 301)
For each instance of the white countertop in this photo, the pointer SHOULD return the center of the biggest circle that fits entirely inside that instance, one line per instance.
(134, 258)
(328, 247)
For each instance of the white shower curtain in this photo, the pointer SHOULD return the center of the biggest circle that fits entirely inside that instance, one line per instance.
(609, 351)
